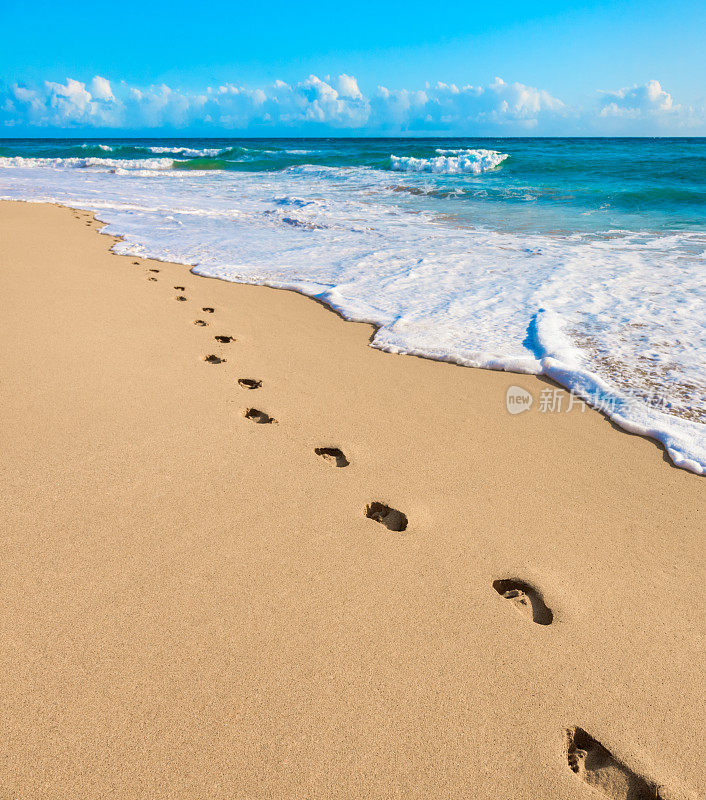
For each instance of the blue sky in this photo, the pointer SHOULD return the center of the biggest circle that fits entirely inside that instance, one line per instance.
(371, 67)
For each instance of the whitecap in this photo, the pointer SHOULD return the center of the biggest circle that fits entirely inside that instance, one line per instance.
(450, 162)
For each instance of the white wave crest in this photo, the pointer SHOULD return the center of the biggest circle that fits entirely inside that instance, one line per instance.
(108, 164)
(451, 162)
(208, 152)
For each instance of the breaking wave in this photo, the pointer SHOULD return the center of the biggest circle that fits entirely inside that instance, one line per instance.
(451, 162)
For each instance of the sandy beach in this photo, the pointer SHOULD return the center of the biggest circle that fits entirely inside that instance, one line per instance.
(446, 601)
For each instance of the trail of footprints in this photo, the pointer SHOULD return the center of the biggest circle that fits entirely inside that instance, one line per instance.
(586, 757)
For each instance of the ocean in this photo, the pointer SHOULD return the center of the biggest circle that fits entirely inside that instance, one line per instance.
(580, 259)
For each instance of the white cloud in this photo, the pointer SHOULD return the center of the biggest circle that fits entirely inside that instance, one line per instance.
(446, 106)
(636, 101)
(336, 104)
(100, 89)
(61, 104)
(348, 87)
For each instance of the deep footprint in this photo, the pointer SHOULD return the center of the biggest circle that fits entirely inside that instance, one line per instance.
(180, 288)
(208, 310)
(595, 765)
(249, 383)
(255, 415)
(332, 455)
(525, 598)
(200, 323)
(151, 270)
(180, 298)
(212, 359)
(224, 339)
(392, 519)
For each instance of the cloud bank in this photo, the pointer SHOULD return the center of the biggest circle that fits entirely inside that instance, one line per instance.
(317, 106)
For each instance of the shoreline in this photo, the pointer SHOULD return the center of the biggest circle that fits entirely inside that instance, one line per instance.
(198, 605)
(584, 385)
(622, 425)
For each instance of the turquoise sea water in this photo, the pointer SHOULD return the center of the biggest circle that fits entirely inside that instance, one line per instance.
(544, 184)
(582, 259)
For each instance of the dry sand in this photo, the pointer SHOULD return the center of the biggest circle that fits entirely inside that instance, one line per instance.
(194, 605)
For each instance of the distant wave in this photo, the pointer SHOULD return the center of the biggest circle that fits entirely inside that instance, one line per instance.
(178, 150)
(192, 160)
(450, 162)
(189, 152)
(89, 162)
(208, 152)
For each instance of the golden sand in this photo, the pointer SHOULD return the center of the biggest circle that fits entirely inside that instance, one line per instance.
(244, 555)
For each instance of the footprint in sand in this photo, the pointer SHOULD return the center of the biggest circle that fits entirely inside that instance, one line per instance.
(136, 263)
(180, 288)
(595, 765)
(224, 339)
(150, 278)
(181, 298)
(525, 598)
(249, 383)
(392, 519)
(151, 270)
(332, 455)
(208, 310)
(260, 417)
(213, 359)
(200, 323)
